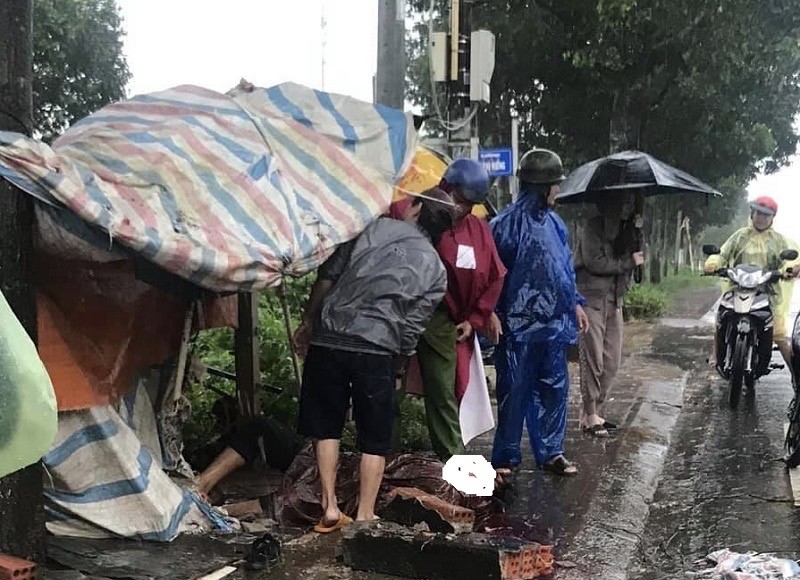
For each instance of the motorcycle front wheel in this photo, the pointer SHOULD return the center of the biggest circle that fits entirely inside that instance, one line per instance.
(738, 366)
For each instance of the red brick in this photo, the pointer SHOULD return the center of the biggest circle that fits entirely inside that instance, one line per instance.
(456, 515)
(12, 568)
(243, 508)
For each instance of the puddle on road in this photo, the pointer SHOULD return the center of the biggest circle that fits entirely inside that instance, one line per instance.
(686, 322)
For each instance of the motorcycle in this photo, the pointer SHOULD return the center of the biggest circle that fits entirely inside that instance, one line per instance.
(745, 325)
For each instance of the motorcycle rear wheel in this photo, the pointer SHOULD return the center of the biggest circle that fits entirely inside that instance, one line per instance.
(738, 367)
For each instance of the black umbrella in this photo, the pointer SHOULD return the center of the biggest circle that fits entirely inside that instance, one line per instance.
(628, 170)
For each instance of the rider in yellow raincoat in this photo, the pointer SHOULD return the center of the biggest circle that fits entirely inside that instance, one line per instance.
(760, 244)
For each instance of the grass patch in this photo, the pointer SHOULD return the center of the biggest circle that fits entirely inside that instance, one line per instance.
(651, 301)
(645, 302)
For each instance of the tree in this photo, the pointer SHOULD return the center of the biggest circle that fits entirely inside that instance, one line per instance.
(710, 86)
(78, 62)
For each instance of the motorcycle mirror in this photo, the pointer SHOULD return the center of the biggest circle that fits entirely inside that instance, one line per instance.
(710, 249)
(789, 255)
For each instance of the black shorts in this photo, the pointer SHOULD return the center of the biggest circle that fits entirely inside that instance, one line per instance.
(262, 438)
(331, 377)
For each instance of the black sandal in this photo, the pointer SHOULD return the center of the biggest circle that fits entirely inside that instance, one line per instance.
(598, 430)
(609, 425)
(560, 466)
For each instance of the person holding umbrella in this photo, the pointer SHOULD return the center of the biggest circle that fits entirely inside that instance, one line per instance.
(605, 258)
(608, 252)
(541, 312)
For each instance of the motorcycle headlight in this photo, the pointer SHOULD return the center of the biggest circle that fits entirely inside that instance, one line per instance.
(749, 280)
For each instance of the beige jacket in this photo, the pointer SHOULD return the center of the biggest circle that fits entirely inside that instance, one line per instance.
(599, 271)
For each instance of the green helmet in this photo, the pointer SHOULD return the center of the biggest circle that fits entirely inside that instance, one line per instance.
(540, 167)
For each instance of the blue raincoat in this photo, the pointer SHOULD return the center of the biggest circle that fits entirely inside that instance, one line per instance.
(537, 309)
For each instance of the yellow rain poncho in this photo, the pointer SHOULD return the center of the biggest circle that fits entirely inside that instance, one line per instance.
(749, 246)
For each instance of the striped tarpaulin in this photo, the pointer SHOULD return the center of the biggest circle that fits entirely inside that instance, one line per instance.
(229, 191)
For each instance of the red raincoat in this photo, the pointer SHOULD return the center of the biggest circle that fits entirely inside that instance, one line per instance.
(474, 280)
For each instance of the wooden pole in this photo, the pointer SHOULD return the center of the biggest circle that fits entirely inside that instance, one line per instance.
(678, 241)
(689, 243)
(22, 531)
(248, 372)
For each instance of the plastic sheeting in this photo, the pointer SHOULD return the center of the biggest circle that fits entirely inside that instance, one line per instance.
(27, 403)
(229, 191)
(298, 502)
(102, 481)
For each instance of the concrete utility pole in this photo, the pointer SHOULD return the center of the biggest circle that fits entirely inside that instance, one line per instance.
(390, 79)
(22, 530)
(460, 140)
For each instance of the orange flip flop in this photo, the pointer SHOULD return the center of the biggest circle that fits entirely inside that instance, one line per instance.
(342, 522)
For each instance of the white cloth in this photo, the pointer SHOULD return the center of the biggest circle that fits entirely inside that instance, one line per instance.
(475, 413)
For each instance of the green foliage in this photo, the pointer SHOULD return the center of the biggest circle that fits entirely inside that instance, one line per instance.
(413, 426)
(78, 65)
(215, 348)
(710, 86)
(649, 302)
(645, 302)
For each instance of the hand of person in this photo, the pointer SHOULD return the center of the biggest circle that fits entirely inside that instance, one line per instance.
(791, 272)
(709, 269)
(638, 221)
(301, 339)
(411, 213)
(638, 258)
(401, 365)
(583, 320)
(493, 329)
(463, 331)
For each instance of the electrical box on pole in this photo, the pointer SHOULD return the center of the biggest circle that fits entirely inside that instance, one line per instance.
(481, 65)
(439, 57)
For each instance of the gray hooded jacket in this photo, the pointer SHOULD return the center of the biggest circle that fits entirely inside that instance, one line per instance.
(388, 281)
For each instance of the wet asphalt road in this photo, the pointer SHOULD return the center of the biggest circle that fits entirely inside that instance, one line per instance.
(723, 484)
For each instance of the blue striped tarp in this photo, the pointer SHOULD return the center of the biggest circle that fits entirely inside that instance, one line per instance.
(229, 191)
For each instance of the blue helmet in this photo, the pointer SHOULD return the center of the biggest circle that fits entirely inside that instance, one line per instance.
(468, 178)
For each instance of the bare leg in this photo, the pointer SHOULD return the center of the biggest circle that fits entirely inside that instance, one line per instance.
(225, 463)
(327, 462)
(372, 467)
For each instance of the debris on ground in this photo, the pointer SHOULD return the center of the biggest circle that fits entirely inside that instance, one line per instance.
(389, 548)
(749, 566)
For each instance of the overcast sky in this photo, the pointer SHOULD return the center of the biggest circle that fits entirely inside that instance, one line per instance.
(214, 44)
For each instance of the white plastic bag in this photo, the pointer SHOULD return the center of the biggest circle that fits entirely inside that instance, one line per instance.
(28, 412)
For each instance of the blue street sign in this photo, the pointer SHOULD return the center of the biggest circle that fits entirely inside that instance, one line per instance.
(498, 162)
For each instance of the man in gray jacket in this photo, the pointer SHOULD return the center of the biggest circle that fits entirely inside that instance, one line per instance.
(367, 309)
(604, 261)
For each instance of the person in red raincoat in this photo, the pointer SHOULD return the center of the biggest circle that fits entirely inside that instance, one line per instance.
(474, 282)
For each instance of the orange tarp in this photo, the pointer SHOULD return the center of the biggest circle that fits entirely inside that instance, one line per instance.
(98, 325)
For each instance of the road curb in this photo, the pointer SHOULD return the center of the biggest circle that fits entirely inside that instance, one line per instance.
(608, 540)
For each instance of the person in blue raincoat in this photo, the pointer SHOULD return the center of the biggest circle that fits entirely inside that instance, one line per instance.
(541, 313)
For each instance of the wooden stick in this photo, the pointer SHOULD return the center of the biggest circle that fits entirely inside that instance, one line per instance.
(287, 320)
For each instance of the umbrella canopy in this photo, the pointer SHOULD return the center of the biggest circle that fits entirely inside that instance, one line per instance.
(628, 170)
